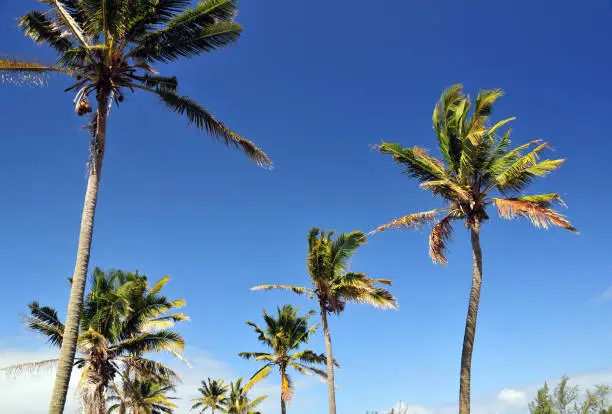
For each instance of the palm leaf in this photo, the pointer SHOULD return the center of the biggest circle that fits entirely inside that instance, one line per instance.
(261, 373)
(540, 216)
(411, 221)
(439, 237)
(200, 117)
(42, 30)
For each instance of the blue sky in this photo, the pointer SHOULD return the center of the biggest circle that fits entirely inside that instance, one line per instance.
(314, 86)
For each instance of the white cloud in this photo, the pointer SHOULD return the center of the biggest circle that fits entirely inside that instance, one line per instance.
(512, 397)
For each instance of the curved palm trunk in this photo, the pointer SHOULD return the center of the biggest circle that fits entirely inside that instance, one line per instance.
(470, 323)
(330, 363)
(79, 278)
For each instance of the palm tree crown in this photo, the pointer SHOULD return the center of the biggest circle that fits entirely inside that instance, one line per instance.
(109, 47)
(284, 335)
(333, 284)
(239, 403)
(213, 396)
(140, 396)
(123, 319)
(476, 162)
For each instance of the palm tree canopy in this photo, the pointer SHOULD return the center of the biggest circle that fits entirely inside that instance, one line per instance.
(142, 397)
(213, 395)
(333, 284)
(284, 335)
(478, 167)
(239, 403)
(123, 319)
(109, 47)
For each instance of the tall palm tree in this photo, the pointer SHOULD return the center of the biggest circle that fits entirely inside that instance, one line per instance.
(334, 286)
(284, 335)
(213, 396)
(123, 319)
(476, 162)
(141, 396)
(239, 403)
(108, 47)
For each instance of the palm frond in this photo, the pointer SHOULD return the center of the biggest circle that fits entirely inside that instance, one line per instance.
(411, 221)
(439, 237)
(30, 367)
(170, 44)
(27, 73)
(418, 163)
(261, 373)
(200, 117)
(69, 22)
(42, 30)
(300, 290)
(540, 216)
(45, 321)
(343, 248)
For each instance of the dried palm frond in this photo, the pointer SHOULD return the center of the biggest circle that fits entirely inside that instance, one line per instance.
(541, 217)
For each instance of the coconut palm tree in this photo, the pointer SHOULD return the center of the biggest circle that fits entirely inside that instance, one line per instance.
(239, 403)
(138, 396)
(108, 47)
(123, 319)
(284, 335)
(477, 161)
(213, 396)
(334, 286)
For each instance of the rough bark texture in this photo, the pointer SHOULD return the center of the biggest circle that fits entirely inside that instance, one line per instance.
(330, 363)
(79, 277)
(470, 323)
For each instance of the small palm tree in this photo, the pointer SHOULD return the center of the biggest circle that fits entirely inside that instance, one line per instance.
(213, 396)
(123, 319)
(476, 162)
(108, 47)
(239, 403)
(284, 335)
(334, 286)
(138, 396)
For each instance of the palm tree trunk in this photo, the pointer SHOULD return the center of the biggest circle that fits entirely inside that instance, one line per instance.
(79, 278)
(283, 405)
(330, 363)
(470, 322)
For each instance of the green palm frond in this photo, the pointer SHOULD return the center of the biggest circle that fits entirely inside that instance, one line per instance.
(343, 248)
(42, 30)
(416, 160)
(200, 117)
(44, 320)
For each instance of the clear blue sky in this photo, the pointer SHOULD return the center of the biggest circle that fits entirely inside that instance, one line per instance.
(314, 84)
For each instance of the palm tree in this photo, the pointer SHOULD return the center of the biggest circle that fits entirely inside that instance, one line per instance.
(284, 335)
(123, 319)
(138, 396)
(239, 403)
(213, 396)
(108, 47)
(334, 286)
(476, 161)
